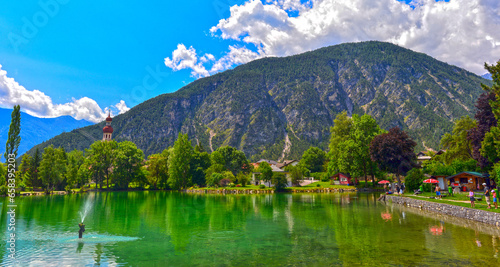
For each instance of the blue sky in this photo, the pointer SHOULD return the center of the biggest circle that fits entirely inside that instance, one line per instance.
(86, 56)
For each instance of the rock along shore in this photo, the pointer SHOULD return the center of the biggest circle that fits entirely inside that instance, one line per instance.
(492, 218)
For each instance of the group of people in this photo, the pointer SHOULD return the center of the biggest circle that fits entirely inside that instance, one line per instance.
(488, 193)
(399, 190)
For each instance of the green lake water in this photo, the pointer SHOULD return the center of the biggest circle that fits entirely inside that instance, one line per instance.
(175, 229)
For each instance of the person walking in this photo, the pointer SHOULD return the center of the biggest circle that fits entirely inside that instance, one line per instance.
(487, 195)
(471, 197)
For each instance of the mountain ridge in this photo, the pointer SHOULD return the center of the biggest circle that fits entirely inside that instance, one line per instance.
(35, 130)
(260, 106)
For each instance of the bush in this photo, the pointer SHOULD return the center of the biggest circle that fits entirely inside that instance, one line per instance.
(231, 185)
(414, 179)
(318, 185)
(325, 177)
(224, 182)
(242, 178)
(262, 186)
(67, 188)
(279, 180)
(214, 179)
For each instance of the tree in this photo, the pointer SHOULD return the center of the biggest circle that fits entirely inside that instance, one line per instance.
(457, 145)
(35, 163)
(491, 145)
(52, 167)
(231, 158)
(158, 169)
(127, 164)
(313, 159)
(179, 175)
(214, 179)
(485, 119)
(414, 179)
(266, 172)
(101, 157)
(351, 145)
(75, 160)
(199, 164)
(279, 181)
(393, 151)
(296, 173)
(14, 138)
(25, 170)
(340, 132)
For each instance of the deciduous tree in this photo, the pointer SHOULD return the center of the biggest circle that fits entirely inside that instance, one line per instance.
(179, 175)
(127, 164)
(393, 151)
(313, 159)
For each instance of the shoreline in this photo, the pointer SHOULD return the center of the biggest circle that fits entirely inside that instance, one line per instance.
(491, 218)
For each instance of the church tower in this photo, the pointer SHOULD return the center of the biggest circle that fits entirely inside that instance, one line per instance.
(107, 130)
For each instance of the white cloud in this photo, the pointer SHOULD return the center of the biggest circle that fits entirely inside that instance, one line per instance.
(122, 107)
(38, 104)
(183, 58)
(461, 32)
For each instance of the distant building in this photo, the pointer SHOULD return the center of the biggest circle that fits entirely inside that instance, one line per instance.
(107, 131)
(343, 178)
(469, 180)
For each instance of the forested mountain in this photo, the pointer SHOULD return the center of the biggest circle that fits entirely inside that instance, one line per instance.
(278, 107)
(36, 130)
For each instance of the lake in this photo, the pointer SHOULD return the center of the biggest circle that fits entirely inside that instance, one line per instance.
(176, 229)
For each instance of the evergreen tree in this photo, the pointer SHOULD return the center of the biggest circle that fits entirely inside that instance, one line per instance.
(35, 164)
(179, 163)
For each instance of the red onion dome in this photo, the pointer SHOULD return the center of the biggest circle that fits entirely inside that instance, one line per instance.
(107, 129)
(109, 118)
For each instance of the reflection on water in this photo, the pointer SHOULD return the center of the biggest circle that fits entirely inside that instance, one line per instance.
(162, 228)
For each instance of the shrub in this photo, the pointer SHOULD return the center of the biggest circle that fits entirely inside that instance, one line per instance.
(67, 188)
(318, 185)
(262, 186)
(224, 182)
(214, 179)
(238, 185)
(231, 185)
(242, 178)
(324, 177)
(414, 179)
